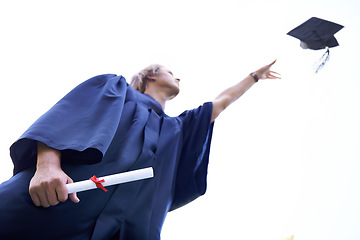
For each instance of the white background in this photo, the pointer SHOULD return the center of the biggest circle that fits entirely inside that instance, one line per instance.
(284, 158)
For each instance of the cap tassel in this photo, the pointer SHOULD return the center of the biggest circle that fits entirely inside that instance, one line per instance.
(324, 58)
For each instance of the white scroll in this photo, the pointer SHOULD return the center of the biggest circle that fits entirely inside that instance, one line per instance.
(111, 180)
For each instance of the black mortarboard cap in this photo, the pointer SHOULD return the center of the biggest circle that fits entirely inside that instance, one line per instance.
(316, 33)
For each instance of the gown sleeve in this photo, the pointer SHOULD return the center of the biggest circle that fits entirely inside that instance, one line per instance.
(81, 125)
(194, 158)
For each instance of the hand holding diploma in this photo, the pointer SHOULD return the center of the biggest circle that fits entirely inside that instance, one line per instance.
(50, 185)
(92, 183)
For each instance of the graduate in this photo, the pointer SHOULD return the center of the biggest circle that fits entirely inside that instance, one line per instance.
(106, 126)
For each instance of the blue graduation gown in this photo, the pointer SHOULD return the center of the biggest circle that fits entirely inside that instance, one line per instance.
(102, 127)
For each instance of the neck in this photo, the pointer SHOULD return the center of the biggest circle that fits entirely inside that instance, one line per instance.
(158, 96)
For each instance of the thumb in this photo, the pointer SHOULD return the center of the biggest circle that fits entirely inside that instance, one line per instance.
(272, 63)
(73, 196)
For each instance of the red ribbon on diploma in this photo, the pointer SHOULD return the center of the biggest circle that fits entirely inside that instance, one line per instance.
(98, 183)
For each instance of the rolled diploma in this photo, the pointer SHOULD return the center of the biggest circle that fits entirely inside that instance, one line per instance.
(111, 180)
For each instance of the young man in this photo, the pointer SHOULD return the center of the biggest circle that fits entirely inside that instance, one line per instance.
(105, 126)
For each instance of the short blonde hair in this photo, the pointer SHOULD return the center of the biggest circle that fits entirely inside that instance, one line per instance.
(139, 80)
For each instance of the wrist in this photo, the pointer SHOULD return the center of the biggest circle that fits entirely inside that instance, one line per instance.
(255, 76)
(48, 157)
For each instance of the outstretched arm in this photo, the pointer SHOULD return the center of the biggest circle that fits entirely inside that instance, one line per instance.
(233, 93)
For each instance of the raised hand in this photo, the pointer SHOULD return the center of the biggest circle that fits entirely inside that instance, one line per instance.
(266, 73)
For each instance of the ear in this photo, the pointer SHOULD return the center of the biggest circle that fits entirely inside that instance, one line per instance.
(152, 78)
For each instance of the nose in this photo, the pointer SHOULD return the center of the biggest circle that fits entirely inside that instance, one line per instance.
(177, 79)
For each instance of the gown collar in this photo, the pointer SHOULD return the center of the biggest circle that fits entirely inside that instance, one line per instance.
(153, 104)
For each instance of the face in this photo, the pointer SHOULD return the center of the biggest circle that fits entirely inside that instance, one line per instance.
(166, 80)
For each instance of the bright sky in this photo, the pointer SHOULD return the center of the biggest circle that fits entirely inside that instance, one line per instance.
(284, 158)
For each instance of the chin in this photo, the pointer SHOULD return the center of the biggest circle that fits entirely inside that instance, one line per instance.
(174, 94)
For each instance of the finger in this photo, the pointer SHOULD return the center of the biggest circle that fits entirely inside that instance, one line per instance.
(38, 196)
(275, 73)
(51, 195)
(273, 77)
(47, 194)
(35, 198)
(43, 199)
(272, 63)
(73, 196)
(62, 193)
